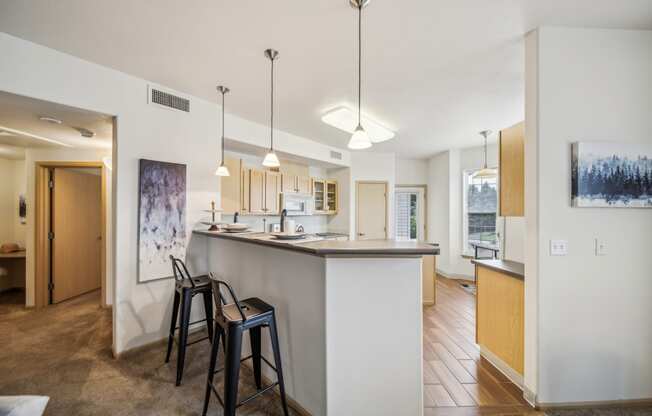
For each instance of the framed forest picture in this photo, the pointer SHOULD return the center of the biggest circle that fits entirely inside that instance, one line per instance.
(611, 175)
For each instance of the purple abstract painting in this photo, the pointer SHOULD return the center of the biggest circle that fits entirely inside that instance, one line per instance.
(161, 218)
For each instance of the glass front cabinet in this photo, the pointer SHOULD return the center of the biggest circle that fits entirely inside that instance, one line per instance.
(326, 196)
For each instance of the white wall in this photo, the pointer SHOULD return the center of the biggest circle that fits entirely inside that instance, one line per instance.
(141, 311)
(7, 185)
(411, 171)
(369, 166)
(595, 313)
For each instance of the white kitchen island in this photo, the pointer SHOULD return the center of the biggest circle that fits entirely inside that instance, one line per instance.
(348, 313)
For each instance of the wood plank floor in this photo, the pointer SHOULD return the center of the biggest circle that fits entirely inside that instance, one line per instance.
(457, 380)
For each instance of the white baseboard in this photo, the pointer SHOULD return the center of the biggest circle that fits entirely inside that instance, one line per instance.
(508, 371)
(455, 276)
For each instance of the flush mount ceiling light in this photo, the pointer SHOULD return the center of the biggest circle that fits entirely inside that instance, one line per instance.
(271, 160)
(485, 172)
(360, 138)
(345, 119)
(85, 132)
(222, 170)
(50, 120)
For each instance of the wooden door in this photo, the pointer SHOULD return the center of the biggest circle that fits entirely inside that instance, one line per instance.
(76, 224)
(289, 183)
(231, 187)
(371, 211)
(272, 192)
(256, 191)
(303, 184)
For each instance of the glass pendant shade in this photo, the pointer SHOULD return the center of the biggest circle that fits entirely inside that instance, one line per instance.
(359, 140)
(222, 171)
(485, 173)
(271, 160)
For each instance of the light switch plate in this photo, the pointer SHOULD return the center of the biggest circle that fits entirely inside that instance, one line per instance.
(558, 247)
(600, 247)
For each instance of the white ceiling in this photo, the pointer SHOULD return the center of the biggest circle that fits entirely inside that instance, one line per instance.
(20, 126)
(437, 71)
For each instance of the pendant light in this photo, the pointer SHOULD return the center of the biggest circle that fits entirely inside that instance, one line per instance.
(485, 172)
(271, 160)
(360, 138)
(222, 170)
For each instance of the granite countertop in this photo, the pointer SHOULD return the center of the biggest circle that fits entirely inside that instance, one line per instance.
(511, 268)
(326, 247)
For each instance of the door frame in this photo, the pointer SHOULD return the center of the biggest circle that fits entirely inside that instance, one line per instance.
(357, 205)
(42, 228)
(416, 188)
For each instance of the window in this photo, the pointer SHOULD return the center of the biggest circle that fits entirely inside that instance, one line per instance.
(480, 208)
(409, 213)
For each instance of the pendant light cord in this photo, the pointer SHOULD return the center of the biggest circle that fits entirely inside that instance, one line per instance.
(271, 121)
(222, 164)
(359, 62)
(485, 151)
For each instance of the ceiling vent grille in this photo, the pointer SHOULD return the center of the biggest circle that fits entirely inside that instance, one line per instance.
(336, 155)
(167, 100)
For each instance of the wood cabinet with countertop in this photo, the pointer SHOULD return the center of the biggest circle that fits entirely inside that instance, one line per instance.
(500, 312)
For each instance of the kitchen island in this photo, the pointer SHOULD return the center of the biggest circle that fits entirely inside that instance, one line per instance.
(349, 315)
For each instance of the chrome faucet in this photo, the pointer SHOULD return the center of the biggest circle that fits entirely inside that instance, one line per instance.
(284, 214)
(235, 217)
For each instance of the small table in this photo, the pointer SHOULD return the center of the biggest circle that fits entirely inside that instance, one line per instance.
(14, 263)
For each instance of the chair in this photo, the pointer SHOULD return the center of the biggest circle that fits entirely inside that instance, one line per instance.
(185, 289)
(231, 320)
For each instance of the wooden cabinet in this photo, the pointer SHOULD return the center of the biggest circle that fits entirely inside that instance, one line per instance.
(326, 196)
(319, 192)
(289, 183)
(500, 316)
(428, 268)
(231, 186)
(331, 197)
(256, 191)
(303, 184)
(272, 192)
(296, 183)
(512, 171)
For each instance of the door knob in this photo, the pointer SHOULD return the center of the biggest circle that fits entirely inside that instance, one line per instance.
(360, 234)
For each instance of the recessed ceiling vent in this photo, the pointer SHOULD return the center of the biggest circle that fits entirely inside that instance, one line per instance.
(165, 99)
(336, 155)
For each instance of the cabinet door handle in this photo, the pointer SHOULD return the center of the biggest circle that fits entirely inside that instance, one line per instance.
(361, 234)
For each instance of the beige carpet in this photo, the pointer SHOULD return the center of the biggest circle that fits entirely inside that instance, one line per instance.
(64, 351)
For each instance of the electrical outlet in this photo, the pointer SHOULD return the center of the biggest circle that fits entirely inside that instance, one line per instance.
(558, 247)
(600, 247)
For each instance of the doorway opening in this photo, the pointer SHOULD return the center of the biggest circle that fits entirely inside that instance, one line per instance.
(410, 213)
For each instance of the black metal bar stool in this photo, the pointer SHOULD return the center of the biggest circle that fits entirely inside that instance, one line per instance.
(231, 320)
(185, 288)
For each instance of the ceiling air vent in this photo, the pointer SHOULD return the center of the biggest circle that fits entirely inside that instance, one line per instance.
(336, 155)
(167, 100)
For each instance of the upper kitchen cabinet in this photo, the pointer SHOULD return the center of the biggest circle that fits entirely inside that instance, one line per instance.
(326, 196)
(231, 186)
(303, 184)
(256, 191)
(512, 171)
(272, 192)
(295, 183)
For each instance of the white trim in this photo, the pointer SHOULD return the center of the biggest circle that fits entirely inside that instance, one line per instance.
(455, 276)
(508, 371)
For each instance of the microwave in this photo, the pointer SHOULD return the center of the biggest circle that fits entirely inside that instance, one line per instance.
(297, 204)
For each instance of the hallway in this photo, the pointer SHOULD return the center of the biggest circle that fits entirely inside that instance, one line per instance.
(457, 380)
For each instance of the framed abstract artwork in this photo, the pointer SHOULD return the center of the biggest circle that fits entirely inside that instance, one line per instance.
(611, 175)
(161, 218)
